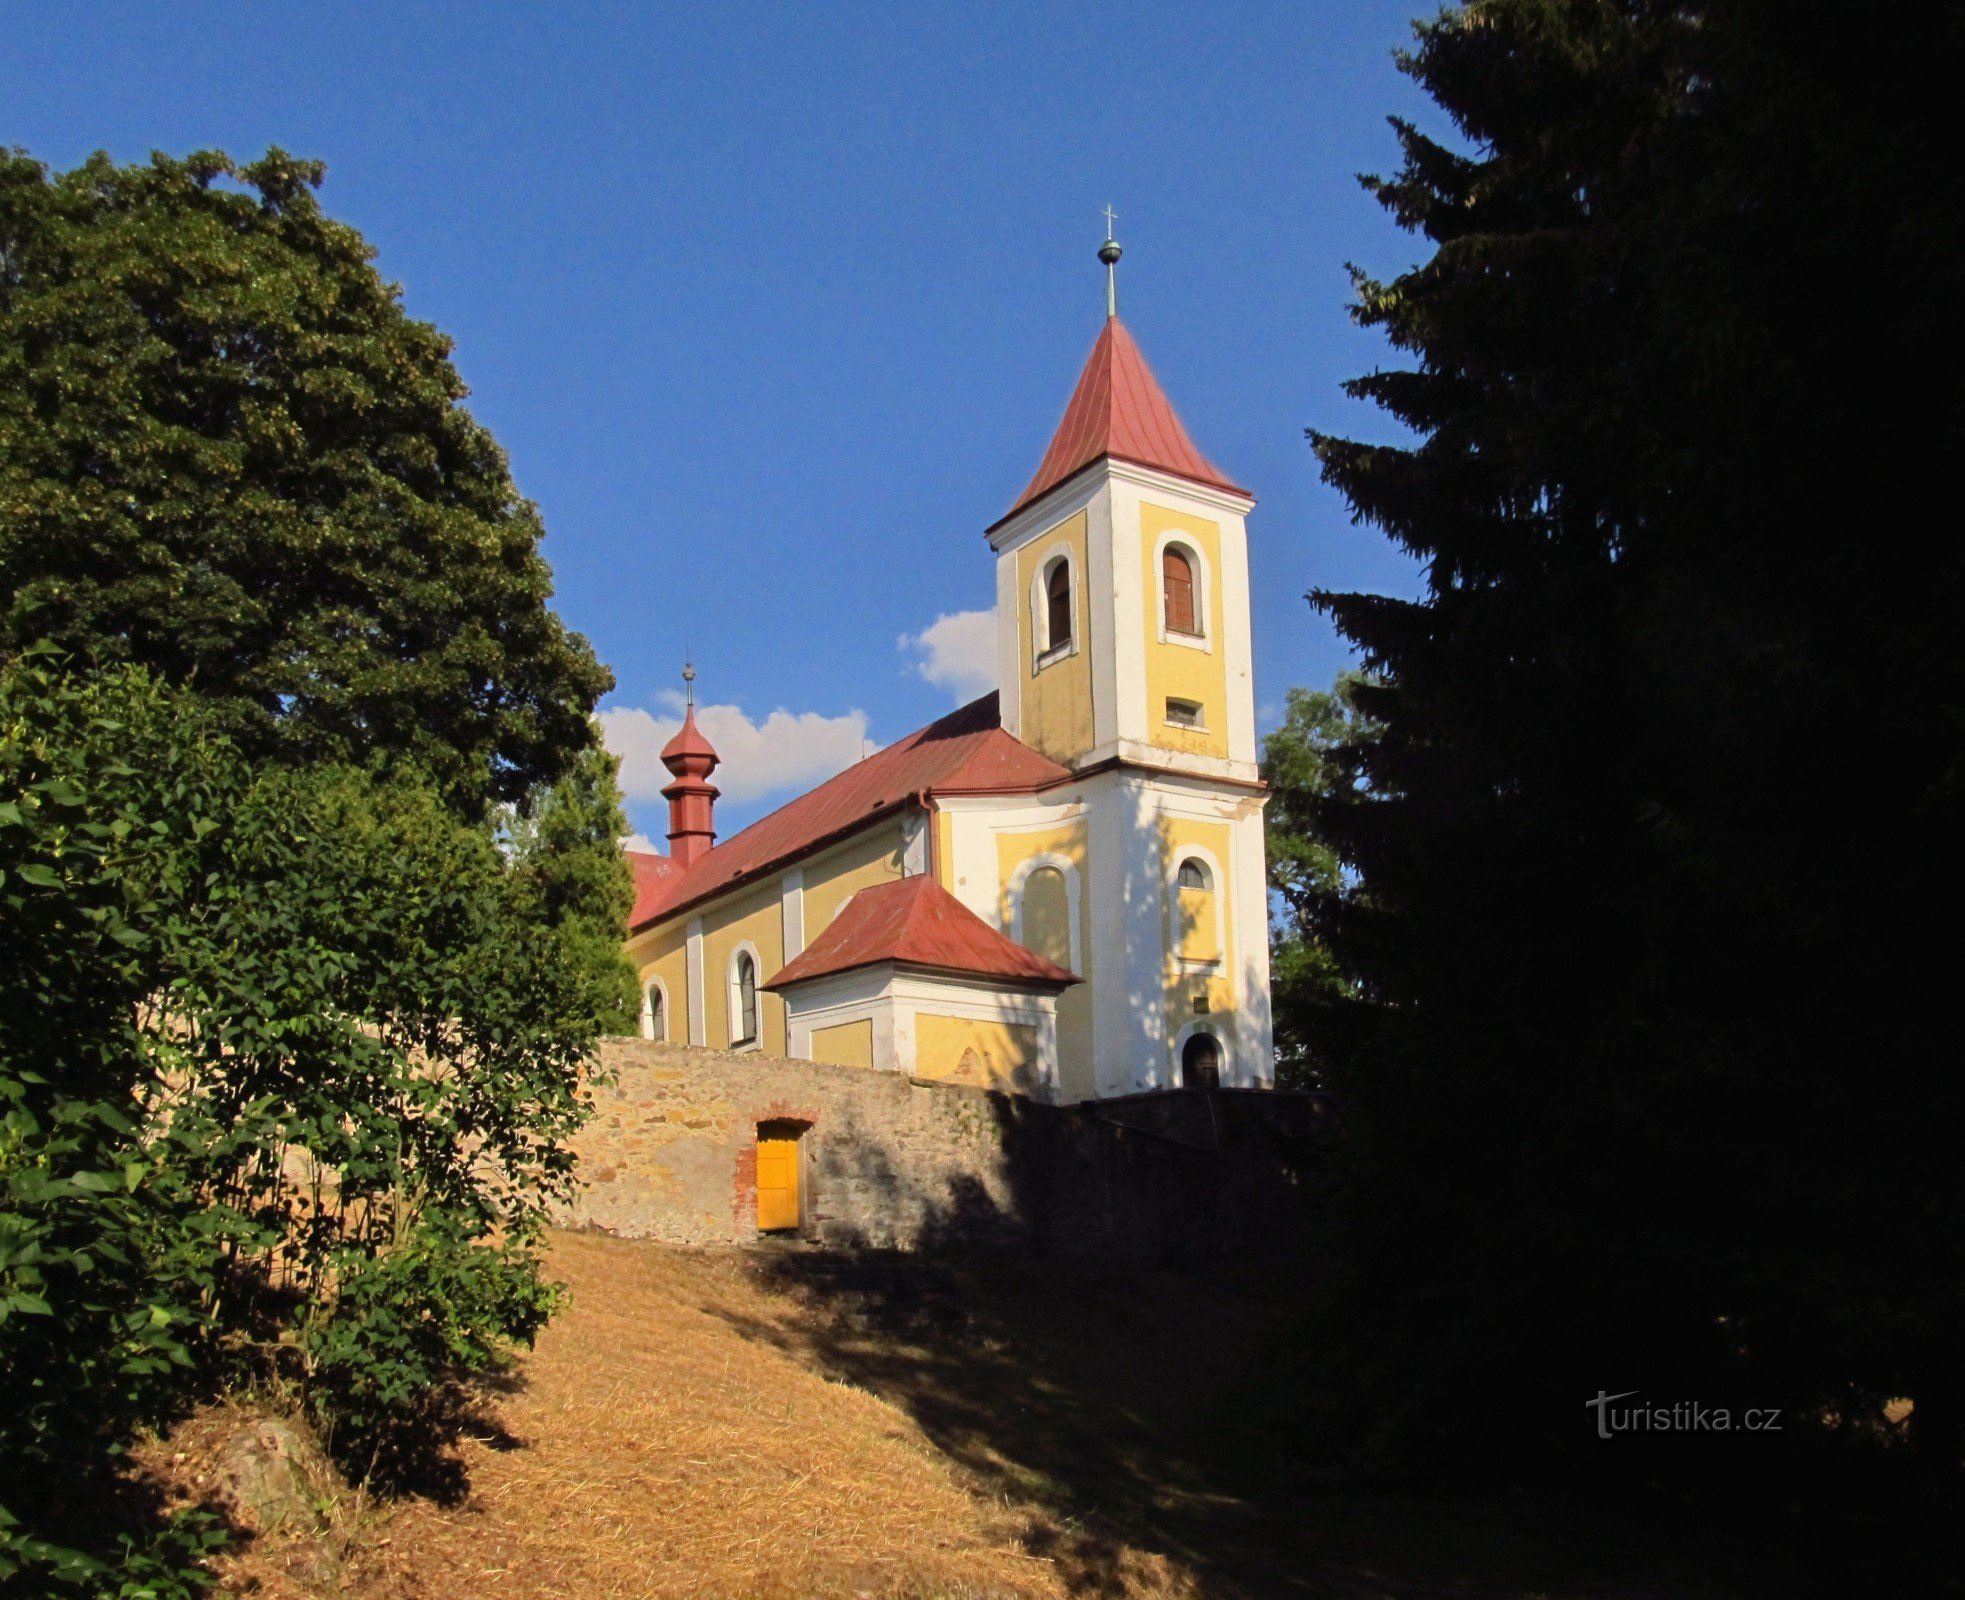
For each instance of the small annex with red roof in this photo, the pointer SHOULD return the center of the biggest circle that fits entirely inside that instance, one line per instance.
(912, 967)
(1055, 889)
(917, 925)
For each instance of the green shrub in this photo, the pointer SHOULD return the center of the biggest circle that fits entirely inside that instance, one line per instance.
(288, 1062)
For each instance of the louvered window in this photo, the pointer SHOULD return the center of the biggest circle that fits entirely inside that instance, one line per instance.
(1177, 579)
(1057, 606)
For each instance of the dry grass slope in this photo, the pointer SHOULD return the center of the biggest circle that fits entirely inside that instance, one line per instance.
(661, 1452)
(782, 1424)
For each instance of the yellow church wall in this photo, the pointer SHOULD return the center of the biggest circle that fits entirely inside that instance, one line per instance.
(849, 1044)
(987, 1055)
(1179, 671)
(1067, 839)
(1056, 707)
(754, 915)
(1192, 935)
(945, 849)
(835, 877)
(663, 953)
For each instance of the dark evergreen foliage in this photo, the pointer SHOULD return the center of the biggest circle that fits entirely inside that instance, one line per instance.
(1652, 1085)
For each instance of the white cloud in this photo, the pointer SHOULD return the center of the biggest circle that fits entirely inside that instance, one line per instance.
(787, 750)
(958, 652)
(641, 844)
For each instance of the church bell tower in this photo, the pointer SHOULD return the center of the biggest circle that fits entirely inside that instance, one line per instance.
(1124, 655)
(1122, 586)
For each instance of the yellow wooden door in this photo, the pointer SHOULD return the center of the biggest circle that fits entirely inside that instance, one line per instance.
(777, 1184)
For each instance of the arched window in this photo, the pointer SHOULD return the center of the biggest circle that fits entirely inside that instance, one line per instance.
(1177, 586)
(1195, 936)
(654, 1014)
(1042, 910)
(1057, 605)
(1046, 916)
(743, 999)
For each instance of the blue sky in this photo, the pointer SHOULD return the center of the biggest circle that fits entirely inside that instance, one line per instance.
(775, 307)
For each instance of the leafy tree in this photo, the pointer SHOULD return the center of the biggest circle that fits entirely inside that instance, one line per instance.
(569, 845)
(1656, 819)
(288, 1060)
(1300, 766)
(226, 454)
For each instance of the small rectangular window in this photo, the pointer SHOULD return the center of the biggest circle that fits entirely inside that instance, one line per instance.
(1184, 713)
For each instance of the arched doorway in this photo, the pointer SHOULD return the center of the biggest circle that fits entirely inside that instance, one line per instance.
(1200, 1062)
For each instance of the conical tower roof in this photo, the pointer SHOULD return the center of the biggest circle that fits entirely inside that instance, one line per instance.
(1119, 410)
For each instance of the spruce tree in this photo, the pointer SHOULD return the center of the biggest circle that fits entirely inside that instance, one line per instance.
(1656, 816)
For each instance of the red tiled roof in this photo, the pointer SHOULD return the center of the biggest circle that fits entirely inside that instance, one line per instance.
(651, 873)
(915, 922)
(967, 751)
(1119, 409)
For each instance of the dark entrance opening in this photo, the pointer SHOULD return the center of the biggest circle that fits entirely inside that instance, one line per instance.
(1200, 1062)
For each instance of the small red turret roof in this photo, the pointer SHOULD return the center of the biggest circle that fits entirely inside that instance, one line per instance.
(1119, 410)
(915, 922)
(688, 741)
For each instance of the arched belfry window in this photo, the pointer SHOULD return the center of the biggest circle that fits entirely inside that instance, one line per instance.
(743, 999)
(1177, 585)
(1196, 917)
(1057, 605)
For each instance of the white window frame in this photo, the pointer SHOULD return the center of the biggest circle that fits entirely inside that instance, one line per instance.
(654, 986)
(1197, 563)
(1021, 878)
(1042, 652)
(1199, 725)
(733, 1008)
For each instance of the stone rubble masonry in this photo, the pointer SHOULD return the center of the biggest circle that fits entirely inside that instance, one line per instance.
(892, 1162)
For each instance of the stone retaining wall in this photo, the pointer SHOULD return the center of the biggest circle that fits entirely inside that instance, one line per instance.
(890, 1162)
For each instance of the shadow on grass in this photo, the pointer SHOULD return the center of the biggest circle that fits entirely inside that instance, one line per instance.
(1113, 1404)
(421, 1457)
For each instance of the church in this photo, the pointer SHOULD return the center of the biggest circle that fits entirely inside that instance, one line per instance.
(1055, 891)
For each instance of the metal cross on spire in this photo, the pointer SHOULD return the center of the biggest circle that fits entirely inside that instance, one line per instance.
(688, 683)
(1109, 253)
